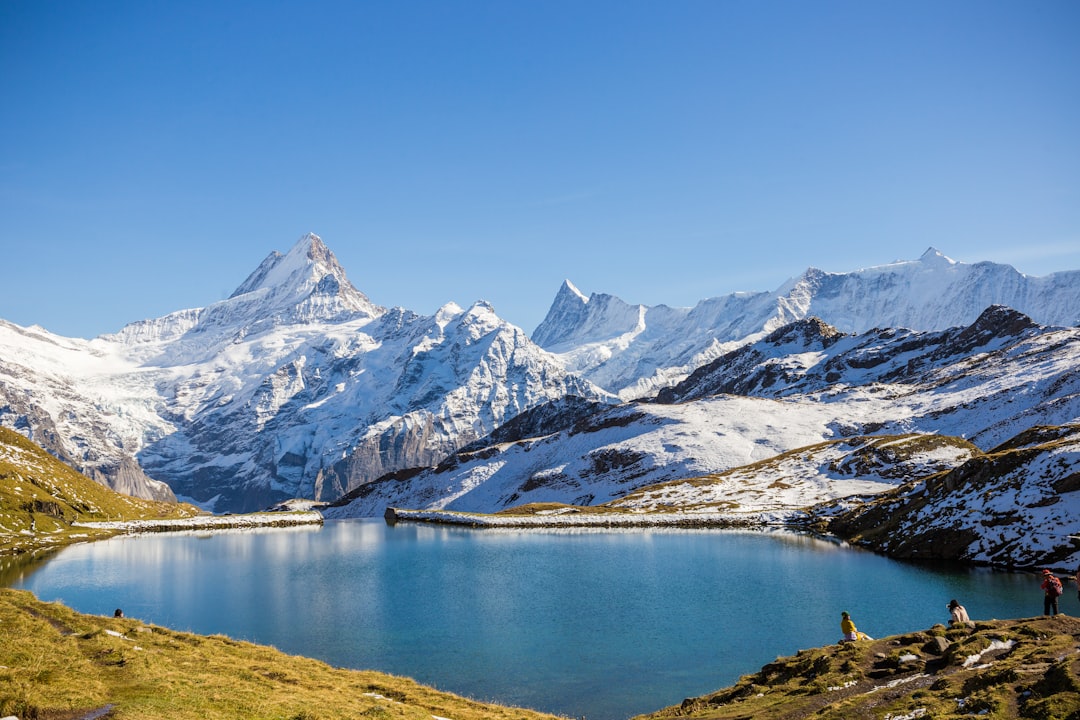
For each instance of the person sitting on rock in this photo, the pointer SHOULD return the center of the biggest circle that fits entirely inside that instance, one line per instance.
(847, 627)
(851, 633)
(958, 615)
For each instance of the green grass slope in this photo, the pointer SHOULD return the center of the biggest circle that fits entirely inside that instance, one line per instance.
(1004, 669)
(40, 498)
(58, 664)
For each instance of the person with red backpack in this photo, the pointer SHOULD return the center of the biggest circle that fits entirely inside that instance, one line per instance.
(1052, 590)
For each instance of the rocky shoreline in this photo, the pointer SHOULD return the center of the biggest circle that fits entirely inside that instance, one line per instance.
(209, 522)
(573, 518)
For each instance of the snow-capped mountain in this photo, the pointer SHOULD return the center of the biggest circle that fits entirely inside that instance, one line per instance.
(634, 350)
(295, 386)
(803, 384)
(298, 385)
(84, 403)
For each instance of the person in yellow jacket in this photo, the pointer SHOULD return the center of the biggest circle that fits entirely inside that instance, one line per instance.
(851, 633)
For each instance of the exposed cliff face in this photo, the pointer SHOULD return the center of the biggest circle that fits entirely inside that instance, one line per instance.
(296, 385)
(1015, 506)
(352, 402)
(784, 396)
(42, 499)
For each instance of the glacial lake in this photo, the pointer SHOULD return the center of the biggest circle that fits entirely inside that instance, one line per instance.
(596, 624)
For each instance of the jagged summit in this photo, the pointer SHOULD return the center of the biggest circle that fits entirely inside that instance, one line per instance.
(566, 311)
(996, 322)
(306, 283)
(935, 256)
(297, 385)
(575, 320)
(806, 331)
(306, 267)
(636, 350)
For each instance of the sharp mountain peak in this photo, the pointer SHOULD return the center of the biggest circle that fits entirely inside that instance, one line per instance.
(308, 278)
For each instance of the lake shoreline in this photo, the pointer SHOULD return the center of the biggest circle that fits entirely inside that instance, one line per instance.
(208, 522)
(493, 582)
(570, 518)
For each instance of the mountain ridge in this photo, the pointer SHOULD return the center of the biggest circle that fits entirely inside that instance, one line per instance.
(298, 385)
(934, 292)
(801, 385)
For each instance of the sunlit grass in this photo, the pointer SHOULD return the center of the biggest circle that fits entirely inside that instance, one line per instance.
(55, 661)
(40, 498)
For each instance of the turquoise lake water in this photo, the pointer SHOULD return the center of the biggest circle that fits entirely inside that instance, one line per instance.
(596, 624)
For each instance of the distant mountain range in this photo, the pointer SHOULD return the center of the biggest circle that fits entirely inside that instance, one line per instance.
(802, 385)
(634, 350)
(298, 386)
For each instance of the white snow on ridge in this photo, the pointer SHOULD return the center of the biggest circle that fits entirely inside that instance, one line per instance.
(795, 480)
(658, 443)
(297, 385)
(262, 395)
(931, 293)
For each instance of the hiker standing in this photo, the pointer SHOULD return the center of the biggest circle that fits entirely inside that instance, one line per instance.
(958, 615)
(1076, 579)
(1051, 588)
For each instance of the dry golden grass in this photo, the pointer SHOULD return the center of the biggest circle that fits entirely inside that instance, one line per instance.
(1027, 668)
(40, 498)
(59, 664)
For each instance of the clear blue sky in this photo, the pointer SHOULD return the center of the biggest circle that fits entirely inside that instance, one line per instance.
(153, 153)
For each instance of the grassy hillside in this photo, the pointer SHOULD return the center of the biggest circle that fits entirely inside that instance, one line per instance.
(59, 664)
(40, 498)
(1026, 668)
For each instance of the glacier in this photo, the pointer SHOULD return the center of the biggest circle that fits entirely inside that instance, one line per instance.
(297, 385)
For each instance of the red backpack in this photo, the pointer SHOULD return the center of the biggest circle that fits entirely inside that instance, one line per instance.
(1053, 586)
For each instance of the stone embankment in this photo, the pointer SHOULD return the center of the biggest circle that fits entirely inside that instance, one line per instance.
(573, 517)
(210, 522)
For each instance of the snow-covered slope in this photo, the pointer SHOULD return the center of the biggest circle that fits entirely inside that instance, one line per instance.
(986, 382)
(296, 385)
(803, 384)
(633, 350)
(85, 402)
(1017, 505)
(807, 476)
(615, 451)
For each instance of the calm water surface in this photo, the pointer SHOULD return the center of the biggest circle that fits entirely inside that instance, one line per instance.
(603, 624)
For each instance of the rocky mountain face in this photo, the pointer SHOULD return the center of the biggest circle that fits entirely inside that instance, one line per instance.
(295, 386)
(50, 391)
(800, 386)
(42, 502)
(634, 350)
(298, 385)
(1016, 505)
